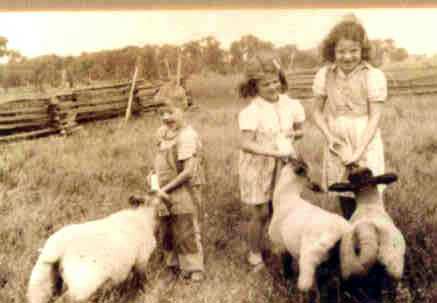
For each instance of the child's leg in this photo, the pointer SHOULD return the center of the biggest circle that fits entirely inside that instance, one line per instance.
(188, 243)
(170, 257)
(259, 216)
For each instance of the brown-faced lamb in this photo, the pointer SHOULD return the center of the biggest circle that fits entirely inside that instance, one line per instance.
(375, 246)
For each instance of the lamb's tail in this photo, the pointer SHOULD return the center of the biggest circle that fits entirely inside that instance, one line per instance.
(359, 250)
(45, 279)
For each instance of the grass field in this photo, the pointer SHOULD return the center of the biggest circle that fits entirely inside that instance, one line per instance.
(50, 182)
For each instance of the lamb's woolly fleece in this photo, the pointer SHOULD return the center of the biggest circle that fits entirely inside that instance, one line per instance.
(93, 253)
(306, 231)
(390, 242)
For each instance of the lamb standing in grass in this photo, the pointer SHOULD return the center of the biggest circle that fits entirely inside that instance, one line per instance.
(381, 242)
(88, 256)
(306, 231)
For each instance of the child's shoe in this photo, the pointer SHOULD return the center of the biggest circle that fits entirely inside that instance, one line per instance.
(196, 276)
(254, 258)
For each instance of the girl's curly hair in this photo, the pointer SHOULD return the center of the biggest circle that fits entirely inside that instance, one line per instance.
(249, 89)
(350, 30)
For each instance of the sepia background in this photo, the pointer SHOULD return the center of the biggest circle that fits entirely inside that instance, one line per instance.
(55, 180)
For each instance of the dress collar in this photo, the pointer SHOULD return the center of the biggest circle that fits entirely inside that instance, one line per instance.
(363, 65)
(263, 103)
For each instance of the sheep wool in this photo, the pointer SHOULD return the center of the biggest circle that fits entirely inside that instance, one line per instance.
(389, 244)
(88, 255)
(306, 231)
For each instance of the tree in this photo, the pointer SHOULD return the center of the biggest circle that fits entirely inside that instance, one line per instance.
(287, 54)
(149, 62)
(399, 54)
(45, 70)
(213, 55)
(192, 57)
(246, 47)
(3, 46)
(307, 58)
(14, 56)
(168, 54)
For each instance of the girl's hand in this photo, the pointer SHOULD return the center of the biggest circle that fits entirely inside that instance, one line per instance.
(162, 194)
(353, 159)
(336, 146)
(285, 157)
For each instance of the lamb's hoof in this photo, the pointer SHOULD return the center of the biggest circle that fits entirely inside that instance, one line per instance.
(304, 285)
(311, 296)
(254, 259)
(403, 294)
(196, 276)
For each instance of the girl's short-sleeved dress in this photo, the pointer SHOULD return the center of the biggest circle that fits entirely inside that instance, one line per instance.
(347, 114)
(270, 122)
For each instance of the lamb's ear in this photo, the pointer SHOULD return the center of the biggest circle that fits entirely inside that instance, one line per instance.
(136, 201)
(341, 187)
(386, 178)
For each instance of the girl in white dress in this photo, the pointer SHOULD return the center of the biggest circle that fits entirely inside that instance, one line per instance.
(268, 126)
(349, 96)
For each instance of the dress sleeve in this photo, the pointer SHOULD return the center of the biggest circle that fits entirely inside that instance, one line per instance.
(376, 85)
(188, 144)
(319, 83)
(247, 119)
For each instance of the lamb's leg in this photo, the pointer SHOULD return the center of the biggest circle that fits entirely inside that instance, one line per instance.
(287, 265)
(307, 271)
(401, 294)
(315, 293)
(82, 281)
(311, 296)
(329, 287)
(42, 282)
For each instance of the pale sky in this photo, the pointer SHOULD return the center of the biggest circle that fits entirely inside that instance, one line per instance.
(70, 33)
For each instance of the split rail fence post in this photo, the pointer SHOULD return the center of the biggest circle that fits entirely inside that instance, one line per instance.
(131, 94)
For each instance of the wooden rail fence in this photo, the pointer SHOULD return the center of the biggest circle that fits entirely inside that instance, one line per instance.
(61, 113)
(399, 83)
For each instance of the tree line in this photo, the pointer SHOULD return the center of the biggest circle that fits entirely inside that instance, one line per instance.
(205, 55)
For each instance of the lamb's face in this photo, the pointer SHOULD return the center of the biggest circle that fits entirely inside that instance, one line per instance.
(148, 201)
(297, 172)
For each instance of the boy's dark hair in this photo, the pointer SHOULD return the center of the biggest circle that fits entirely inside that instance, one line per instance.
(350, 30)
(248, 89)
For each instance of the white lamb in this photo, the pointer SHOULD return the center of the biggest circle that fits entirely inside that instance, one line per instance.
(306, 231)
(380, 241)
(88, 256)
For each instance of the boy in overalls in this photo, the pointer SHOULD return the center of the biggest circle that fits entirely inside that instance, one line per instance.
(179, 168)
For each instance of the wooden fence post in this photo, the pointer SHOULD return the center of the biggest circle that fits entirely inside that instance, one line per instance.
(54, 115)
(131, 94)
(178, 71)
(168, 68)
